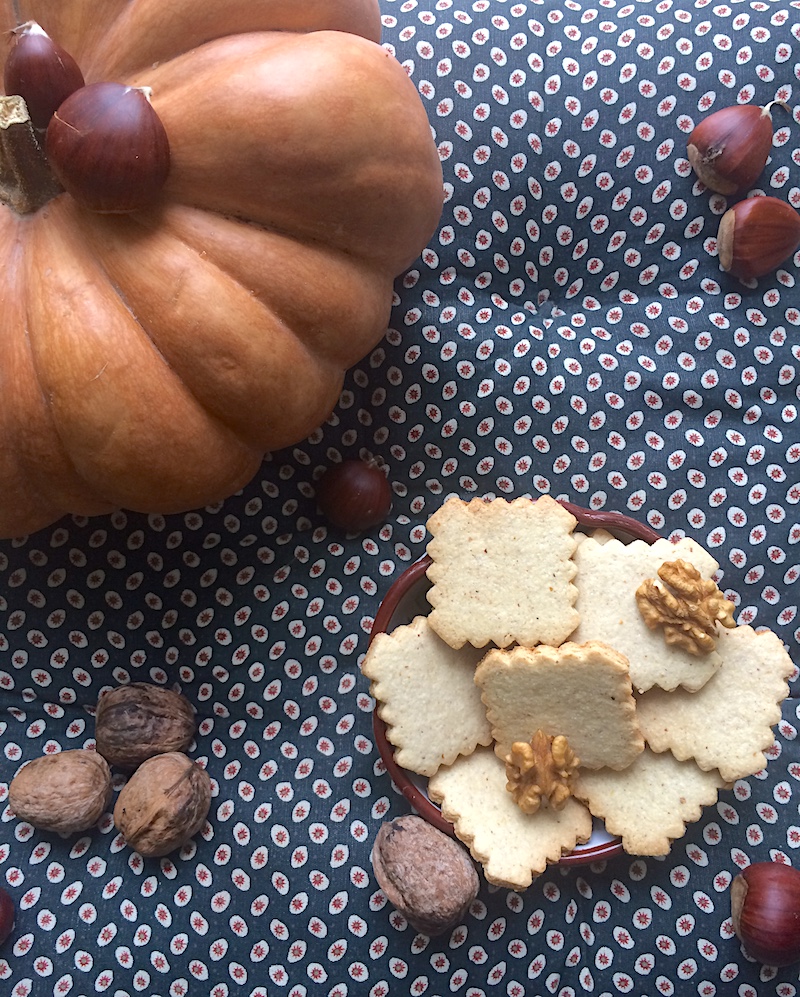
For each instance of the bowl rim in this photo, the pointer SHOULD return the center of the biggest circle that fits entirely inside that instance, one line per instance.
(416, 572)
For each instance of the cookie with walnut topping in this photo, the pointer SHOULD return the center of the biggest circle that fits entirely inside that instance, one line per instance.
(607, 578)
(582, 691)
(502, 572)
(512, 846)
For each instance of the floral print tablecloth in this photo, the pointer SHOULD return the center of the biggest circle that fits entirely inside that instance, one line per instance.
(567, 331)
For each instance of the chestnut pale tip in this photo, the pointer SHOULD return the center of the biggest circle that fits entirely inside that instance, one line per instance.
(725, 239)
(30, 28)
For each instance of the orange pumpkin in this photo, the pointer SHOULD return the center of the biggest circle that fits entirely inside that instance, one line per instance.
(148, 360)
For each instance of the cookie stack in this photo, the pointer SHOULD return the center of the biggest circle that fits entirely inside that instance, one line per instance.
(562, 675)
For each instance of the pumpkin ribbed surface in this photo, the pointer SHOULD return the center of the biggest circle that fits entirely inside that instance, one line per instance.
(149, 360)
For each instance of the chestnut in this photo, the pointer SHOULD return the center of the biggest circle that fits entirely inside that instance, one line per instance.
(354, 495)
(7, 915)
(756, 235)
(108, 148)
(40, 71)
(729, 149)
(765, 910)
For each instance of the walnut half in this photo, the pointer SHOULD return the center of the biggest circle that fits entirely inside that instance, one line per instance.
(540, 773)
(687, 606)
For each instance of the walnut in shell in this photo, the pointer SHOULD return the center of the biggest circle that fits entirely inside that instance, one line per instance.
(163, 804)
(134, 722)
(64, 792)
(426, 875)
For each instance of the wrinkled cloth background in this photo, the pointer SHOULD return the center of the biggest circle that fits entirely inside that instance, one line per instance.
(567, 331)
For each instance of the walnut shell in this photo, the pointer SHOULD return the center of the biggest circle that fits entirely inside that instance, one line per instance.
(134, 722)
(64, 792)
(424, 873)
(163, 804)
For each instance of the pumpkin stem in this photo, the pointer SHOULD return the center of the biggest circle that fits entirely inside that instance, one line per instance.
(26, 180)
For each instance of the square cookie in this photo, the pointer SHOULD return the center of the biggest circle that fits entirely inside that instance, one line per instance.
(608, 575)
(727, 725)
(651, 802)
(582, 691)
(502, 572)
(512, 846)
(426, 696)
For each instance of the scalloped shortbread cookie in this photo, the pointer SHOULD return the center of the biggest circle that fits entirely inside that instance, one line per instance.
(502, 572)
(582, 691)
(608, 575)
(512, 846)
(649, 804)
(728, 723)
(426, 696)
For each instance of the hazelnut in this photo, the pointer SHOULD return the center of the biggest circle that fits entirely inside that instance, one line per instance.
(64, 792)
(134, 722)
(163, 804)
(424, 873)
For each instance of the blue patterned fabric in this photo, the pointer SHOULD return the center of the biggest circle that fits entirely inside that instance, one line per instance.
(567, 331)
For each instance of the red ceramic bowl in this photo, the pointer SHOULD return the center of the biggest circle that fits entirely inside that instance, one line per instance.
(407, 599)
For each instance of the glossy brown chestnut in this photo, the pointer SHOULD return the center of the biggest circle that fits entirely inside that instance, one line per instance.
(40, 71)
(729, 149)
(7, 914)
(354, 495)
(756, 235)
(108, 147)
(765, 910)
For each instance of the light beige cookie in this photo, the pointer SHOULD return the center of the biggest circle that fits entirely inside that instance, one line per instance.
(601, 535)
(502, 572)
(426, 696)
(651, 802)
(728, 723)
(582, 691)
(512, 846)
(608, 576)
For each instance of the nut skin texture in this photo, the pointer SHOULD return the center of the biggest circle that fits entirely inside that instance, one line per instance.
(65, 792)
(756, 236)
(729, 149)
(765, 912)
(7, 915)
(354, 495)
(108, 148)
(163, 805)
(426, 875)
(134, 722)
(40, 71)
